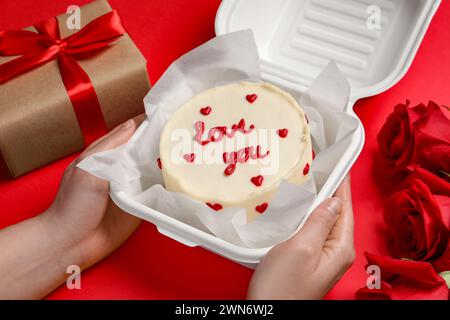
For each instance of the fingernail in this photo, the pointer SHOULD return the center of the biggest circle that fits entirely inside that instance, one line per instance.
(128, 124)
(334, 205)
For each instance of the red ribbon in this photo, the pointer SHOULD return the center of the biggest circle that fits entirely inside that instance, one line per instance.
(39, 48)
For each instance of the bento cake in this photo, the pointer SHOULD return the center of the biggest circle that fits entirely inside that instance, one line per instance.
(232, 145)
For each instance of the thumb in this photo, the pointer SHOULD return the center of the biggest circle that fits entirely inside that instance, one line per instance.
(118, 136)
(317, 228)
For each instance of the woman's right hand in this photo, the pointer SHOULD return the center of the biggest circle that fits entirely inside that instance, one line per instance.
(308, 265)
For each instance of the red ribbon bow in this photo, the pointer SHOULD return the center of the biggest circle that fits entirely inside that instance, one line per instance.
(39, 48)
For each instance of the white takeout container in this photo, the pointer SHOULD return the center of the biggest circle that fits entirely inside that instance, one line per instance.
(296, 39)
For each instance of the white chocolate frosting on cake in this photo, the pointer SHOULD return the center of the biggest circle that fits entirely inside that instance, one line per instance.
(231, 146)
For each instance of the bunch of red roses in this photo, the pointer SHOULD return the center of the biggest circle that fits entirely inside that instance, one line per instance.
(415, 142)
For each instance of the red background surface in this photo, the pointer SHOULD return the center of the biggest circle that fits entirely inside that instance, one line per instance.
(151, 266)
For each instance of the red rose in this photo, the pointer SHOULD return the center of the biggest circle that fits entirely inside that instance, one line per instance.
(401, 280)
(418, 217)
(418, 136)
(432, 141)
(395, 137)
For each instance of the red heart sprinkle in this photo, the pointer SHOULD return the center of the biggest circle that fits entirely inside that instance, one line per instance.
(205, 111)
(257, 181)
(189, 157)
(215, 206)
(313, 154)
(230, 169)
(283, 133)
(159, 163)
(251, 97)
(262, 207)
(306, 169)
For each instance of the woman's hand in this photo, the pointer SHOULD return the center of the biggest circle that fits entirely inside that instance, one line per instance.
(307, 265)
(83, 215)
(81, 227)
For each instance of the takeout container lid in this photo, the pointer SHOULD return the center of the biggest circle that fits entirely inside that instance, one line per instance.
(296, 40)
(373, 42)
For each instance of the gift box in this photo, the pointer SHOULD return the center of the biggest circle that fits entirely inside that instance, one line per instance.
(59, 92)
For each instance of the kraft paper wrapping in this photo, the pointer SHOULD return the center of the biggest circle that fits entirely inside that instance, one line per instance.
(37, 121)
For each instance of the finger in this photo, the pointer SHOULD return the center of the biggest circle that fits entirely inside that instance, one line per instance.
(340, 243)
(342, 233)
(118, 136)
(138, 120)
(76, 181)
(317, 228)
(344, 191)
